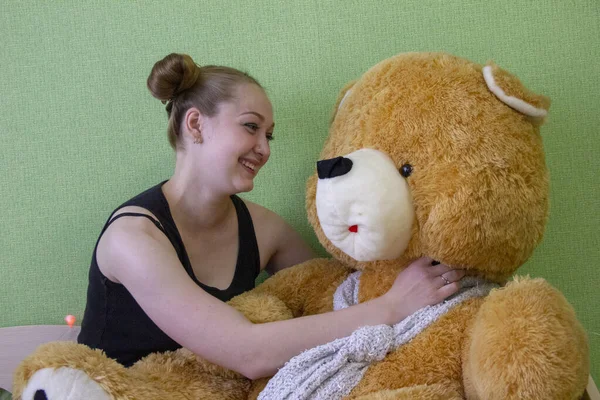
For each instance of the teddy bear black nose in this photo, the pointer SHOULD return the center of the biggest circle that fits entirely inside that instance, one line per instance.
(40, 395)
(333, 167)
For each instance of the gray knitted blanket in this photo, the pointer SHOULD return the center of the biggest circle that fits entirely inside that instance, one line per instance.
(332, 370)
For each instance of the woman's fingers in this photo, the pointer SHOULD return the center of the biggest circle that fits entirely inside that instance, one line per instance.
(449, 289)
(444, 275)
(440, 269)
(453, 275)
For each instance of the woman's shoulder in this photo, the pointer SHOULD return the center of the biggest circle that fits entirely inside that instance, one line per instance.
(130, 229)
(150, 205)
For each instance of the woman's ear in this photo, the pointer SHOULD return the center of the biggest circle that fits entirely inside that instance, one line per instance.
(193, 124)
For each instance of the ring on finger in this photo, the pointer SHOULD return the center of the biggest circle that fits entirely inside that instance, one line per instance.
(446, 281)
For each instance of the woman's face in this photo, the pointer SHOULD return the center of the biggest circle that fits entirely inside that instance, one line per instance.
(236, 140)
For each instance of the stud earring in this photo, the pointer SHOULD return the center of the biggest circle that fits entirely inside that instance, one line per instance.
(197, 140)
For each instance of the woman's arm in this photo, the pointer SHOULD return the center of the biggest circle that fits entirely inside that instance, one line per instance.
(133, 252)
(280, 245)
(289, 247)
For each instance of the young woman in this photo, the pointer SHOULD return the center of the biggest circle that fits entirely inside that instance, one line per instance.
(168, 259)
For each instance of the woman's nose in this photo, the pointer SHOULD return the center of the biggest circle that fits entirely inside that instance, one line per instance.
(263, 147)
(333, 167)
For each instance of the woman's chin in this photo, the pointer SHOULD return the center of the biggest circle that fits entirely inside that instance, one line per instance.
(245, 186)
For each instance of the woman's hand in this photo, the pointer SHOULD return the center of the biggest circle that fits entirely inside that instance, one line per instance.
(424, 282)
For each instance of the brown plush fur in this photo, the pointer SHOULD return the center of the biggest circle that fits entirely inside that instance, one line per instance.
(506, 358)
(170, 375)
(435, 112)
(480, 194)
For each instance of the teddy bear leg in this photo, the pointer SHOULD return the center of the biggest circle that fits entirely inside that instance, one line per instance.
(525, 343)
(436, 391)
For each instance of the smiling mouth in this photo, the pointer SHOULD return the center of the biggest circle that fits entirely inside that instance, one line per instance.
(249, 166)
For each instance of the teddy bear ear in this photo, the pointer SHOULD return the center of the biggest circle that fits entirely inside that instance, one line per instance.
(344, 93)
(509, 90)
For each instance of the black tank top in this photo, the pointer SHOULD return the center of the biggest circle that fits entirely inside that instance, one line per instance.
(115, 323)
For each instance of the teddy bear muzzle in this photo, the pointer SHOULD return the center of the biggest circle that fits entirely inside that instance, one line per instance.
(364, 205)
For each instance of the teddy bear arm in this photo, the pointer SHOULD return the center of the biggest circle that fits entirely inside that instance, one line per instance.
(526, 343)
(295, 287)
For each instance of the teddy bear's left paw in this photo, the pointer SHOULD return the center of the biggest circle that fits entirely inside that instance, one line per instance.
(261, 308)
(62, 384)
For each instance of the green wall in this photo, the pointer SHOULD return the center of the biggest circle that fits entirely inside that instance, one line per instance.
(81, 133)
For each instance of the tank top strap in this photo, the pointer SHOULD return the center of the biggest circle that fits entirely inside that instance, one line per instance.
(134, 214)
(248, 245)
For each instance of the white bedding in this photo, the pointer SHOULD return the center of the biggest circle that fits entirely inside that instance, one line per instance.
(18, 342)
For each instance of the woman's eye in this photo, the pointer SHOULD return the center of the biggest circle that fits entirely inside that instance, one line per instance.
(252, 126)
(270, 137)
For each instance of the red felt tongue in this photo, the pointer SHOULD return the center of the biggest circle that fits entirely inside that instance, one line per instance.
(353, 228)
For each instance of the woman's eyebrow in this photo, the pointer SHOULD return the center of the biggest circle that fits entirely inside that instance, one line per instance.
(255, 113)
(258, 115)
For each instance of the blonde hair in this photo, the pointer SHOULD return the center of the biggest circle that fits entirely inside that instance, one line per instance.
(180, 83)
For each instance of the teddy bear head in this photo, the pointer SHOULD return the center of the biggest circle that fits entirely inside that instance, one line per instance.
(432, 155)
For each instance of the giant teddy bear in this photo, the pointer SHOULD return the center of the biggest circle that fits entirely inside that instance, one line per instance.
(428, 155)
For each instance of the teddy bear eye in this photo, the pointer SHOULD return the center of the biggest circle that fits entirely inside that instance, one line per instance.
(406, 170)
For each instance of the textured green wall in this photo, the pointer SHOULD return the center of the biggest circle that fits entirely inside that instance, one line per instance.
(80, 132)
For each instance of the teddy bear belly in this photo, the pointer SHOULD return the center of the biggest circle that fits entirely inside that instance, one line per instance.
(434, 356)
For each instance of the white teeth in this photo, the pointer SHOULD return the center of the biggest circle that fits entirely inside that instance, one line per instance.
(248, 164)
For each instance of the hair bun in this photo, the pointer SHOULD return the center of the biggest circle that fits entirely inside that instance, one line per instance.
(172, 75)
